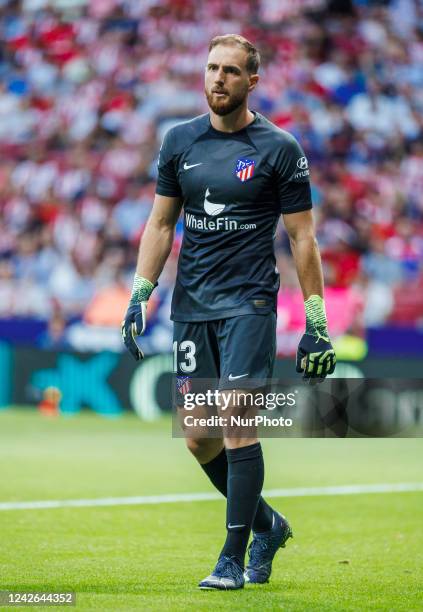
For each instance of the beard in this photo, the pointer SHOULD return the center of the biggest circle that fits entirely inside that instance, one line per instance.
(227, 105)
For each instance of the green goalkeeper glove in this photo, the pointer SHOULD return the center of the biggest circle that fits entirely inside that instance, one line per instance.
(135, 320)
(315, 355)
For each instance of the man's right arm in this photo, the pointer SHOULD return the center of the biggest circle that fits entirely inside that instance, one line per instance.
(157, 239)
(155, 246)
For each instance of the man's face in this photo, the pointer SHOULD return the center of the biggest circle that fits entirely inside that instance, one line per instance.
(227, 82)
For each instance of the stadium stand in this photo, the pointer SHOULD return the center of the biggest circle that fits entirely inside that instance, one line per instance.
(88, 88)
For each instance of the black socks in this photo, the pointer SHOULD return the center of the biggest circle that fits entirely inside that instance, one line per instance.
(217, 471)
(245, 482)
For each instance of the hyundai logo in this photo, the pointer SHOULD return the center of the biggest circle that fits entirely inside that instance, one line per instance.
(302, 163)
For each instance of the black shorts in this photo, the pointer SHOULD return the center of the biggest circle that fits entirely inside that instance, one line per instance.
(236, 353)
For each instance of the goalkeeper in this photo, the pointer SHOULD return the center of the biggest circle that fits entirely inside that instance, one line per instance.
(233, 173)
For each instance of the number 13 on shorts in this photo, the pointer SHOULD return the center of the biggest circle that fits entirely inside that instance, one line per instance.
(184, 356)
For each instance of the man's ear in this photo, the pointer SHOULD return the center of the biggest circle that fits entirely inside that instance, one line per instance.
(254, 79)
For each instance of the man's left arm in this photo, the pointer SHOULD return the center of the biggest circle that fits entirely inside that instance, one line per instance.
(315, 356)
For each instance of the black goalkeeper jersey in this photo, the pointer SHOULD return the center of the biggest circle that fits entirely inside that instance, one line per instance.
(234, 187)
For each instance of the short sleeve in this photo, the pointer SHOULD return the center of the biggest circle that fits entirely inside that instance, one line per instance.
(167, 180)
(292, 176)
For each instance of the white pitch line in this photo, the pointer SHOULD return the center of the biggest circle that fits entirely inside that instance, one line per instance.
(195, 497)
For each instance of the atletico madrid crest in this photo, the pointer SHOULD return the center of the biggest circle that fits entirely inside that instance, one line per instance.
(244, 169)
(183, 384)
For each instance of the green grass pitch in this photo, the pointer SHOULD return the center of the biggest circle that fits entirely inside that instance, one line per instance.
(352, 552)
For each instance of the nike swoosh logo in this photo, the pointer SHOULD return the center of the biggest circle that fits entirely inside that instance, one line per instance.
(234, 526)
(235, 377)
(188, 166)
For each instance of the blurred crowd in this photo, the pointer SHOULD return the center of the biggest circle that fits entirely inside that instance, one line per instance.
(89, 87)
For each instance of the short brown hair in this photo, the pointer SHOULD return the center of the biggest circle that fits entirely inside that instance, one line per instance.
(253, 56)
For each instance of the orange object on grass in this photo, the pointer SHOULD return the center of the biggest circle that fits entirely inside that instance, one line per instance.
(49, 405)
